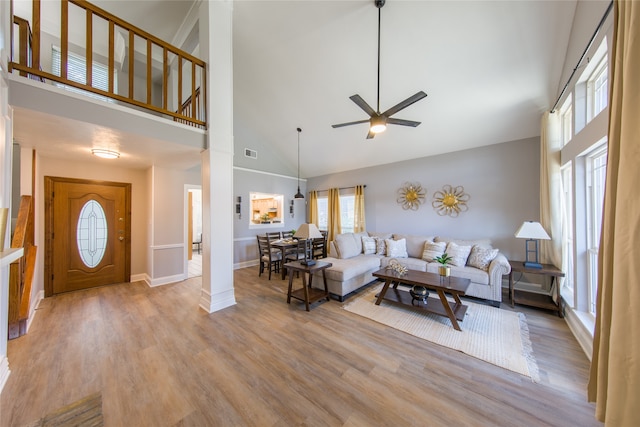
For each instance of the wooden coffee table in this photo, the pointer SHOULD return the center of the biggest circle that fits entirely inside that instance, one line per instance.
(455, 286)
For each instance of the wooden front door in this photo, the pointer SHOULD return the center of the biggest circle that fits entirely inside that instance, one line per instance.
(87, 229)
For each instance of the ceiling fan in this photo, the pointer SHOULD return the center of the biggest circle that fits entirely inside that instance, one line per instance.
(379, 121)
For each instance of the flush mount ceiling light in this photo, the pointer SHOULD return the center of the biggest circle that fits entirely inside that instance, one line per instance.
(105, 154)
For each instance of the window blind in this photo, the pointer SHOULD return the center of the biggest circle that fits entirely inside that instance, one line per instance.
(76, 71)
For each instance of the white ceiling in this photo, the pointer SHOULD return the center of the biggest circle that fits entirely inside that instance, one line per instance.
(490, 69)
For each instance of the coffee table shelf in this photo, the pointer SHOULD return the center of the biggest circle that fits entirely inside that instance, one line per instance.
(454, 286)
(433, 305)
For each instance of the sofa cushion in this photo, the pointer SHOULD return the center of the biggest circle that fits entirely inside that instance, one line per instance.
(471, 273)
(432, 250)
(480, 242)
(458, 253)
(410, 263)
(368, 245)
(415, 244)
(347, 245)
(345, 269)
(480, 257)
(380, 235)
(396, 248)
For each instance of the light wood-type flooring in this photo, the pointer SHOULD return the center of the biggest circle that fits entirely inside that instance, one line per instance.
(159, 360)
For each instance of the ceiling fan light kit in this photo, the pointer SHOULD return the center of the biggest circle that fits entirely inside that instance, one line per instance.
(378, 121)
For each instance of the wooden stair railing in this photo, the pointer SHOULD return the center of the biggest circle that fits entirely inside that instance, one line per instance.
(21, 271)
(172, 60)
(25, 51)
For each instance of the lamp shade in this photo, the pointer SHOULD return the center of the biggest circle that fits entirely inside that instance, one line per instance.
(307, 231)
(532, 230)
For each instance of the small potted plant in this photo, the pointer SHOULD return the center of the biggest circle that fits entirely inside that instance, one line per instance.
(443, 260)
(265, 218)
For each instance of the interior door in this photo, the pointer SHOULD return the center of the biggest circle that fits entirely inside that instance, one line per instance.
(88, 234)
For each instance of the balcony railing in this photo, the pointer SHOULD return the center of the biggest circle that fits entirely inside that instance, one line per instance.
(163, 74)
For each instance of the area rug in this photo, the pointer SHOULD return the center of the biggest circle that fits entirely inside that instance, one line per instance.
(85, 412)
(497, 336)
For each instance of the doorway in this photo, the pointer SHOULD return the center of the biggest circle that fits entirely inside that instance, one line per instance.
(87, 234)
(194, 230)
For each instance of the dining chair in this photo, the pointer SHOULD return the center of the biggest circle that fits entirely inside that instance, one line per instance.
(273, 235)
(319, 247)
(296, 253)
(270, 257)
(287, 234)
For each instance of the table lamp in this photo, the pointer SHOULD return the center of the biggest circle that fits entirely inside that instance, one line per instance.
(307, 232)
(532, 231)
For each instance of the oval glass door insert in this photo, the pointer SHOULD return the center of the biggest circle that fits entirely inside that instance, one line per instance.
(92, 233)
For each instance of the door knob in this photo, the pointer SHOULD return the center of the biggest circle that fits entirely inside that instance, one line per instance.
(121, 238)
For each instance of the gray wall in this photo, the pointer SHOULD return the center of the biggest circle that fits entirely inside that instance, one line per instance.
(246, 181)
(502, 180)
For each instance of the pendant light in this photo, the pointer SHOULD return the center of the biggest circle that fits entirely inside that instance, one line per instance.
(299, 195)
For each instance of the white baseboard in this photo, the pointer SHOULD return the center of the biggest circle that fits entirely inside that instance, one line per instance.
(223, 300)
(582, 328)
(4, 372)
(34, 307)
(246, 264)
(159, 281)
(143, 277)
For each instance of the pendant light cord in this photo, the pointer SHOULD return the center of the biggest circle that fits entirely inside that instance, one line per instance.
(299, 130)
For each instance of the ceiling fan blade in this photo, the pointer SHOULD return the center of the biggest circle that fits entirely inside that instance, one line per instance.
(404, 104)
(350, 123)
(370, 135)
(392, 121)
(362, 104)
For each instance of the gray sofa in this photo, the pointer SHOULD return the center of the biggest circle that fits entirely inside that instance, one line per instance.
(353, 262)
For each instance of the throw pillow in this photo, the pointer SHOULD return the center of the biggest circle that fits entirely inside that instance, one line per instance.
(432, 250)
(396, 248)
(481, 257)
(368, 245)
(347, 246)
(381, 246)
(459, 254)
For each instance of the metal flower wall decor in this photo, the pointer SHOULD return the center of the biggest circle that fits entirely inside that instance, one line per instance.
(411, 196)
(450, 201)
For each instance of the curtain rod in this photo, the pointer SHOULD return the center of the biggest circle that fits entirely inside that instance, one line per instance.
(341, 188)
(595, 33)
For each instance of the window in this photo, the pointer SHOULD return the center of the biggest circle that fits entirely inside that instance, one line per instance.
(566, 117)
(567, 251)
(323, 213)
(598, 86)
(347, 212)
(76, 71)
(596, 177)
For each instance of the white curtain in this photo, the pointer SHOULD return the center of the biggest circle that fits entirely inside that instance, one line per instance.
(552, 212)
(614, 383)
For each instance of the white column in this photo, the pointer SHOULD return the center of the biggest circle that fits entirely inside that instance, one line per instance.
(6, 145)
(217, 161)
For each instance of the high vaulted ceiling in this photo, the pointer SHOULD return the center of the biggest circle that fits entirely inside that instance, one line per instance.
(490, 69)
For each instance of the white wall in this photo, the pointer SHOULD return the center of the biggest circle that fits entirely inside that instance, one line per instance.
(502, 180)
(167, 223)
(106, 170)
(246, 181)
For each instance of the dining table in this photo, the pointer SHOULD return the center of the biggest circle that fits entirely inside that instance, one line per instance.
(284, 245)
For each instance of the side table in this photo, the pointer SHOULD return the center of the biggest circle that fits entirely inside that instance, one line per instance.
(307, 294)
(535, 299)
